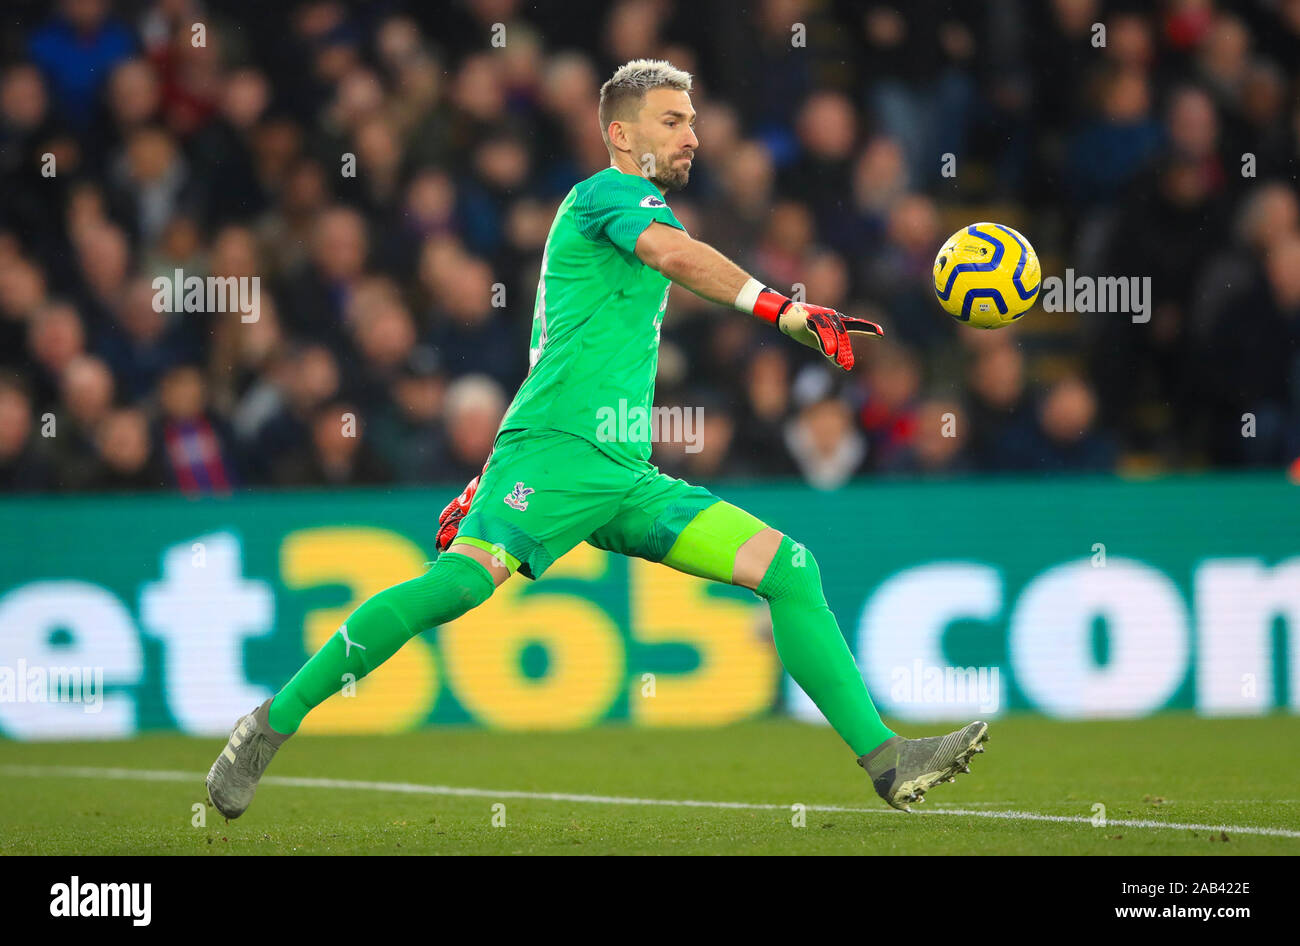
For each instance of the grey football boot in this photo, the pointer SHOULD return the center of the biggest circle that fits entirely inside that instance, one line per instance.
(234, 776)
(903, 770)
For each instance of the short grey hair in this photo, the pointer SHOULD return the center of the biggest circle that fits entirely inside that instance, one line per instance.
(473, 392)
(625, 91)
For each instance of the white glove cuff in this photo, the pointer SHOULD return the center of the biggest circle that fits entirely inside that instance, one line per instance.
(747, 298)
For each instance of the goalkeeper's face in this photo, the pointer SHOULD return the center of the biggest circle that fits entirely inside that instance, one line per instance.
(663, 138)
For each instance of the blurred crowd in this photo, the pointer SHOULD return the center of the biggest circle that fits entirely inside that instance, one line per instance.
(396, 293)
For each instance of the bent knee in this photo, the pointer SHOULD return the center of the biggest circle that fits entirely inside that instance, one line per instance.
(454, 585)
(496, 565)
(755, 557)
(792, 573)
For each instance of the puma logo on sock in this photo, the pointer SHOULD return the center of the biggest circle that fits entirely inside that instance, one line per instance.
(349, 644)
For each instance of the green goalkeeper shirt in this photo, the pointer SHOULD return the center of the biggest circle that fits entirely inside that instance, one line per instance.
(594, 349)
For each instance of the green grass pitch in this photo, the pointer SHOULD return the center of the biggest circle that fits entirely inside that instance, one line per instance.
(434, 792)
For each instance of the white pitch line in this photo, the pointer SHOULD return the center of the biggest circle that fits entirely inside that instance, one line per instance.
(410, 788)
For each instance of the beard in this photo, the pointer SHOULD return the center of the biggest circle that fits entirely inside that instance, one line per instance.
(671, 177)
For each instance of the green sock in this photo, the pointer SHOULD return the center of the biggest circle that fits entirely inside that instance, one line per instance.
(813, 650)
(377, 629)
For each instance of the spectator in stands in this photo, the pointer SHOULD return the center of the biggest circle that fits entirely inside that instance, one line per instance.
(274, 417)
(1251, 381)
(134, 102)
(55, 338)
(227, 186)
(469, 329)
(826, 448)
(937, 448)
(406, 429)
(142, 342)
(1062, 436)
(104, 261)
(77, 48)
(1108, 151)
(128, 460)
(472, 410)
(194, 442)
(886, 393)
(899, 274)
(22, 295)
(998, 403)
(385, 336)
(760, 430)
(337, 454)
(87, 398)
(150, 183)
(24, 465)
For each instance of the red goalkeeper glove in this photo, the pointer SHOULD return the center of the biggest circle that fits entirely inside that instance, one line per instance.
(457, 509)
(813, 325)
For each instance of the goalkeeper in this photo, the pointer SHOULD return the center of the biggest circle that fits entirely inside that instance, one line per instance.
(557, 477)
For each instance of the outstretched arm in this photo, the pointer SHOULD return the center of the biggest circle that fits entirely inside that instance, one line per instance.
(691, 263)
(710, 275)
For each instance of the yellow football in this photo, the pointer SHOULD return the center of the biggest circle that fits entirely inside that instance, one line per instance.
(986, 275)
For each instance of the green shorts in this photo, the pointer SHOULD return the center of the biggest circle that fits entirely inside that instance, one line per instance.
(545, 491)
